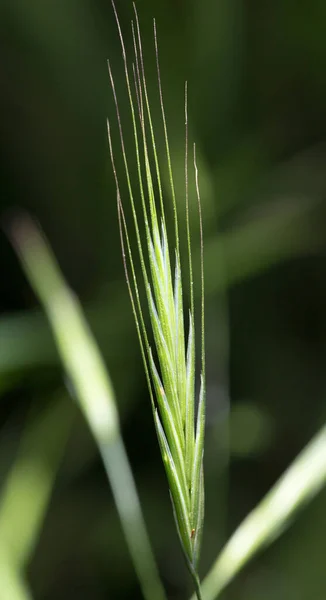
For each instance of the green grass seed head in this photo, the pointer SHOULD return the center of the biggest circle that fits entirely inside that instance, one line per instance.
(171, 379)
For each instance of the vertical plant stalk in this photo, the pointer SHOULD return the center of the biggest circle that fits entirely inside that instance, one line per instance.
(170, 370)
(89, 377)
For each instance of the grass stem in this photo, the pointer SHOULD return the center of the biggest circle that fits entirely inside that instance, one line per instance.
(90, 380)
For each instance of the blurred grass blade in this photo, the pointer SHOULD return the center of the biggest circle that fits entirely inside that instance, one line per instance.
(300, 483)
(253, 247)
(12, 583)
(85, 367)
(26, 492)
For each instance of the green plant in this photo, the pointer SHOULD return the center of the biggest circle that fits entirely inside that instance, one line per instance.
(172, 402)
(172, 386)
(299, 484)
(92, 386)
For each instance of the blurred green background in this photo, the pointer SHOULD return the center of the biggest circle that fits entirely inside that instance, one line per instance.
(257, 97)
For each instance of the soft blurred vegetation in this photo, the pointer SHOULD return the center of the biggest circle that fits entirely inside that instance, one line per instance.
(257, 98)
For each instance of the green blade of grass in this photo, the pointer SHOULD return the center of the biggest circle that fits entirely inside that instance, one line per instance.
(26, 492)
(84, 366)
(12, 583)
(300, 483)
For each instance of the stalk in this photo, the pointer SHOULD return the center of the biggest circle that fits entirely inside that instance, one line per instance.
(170, 370)
(90, 380)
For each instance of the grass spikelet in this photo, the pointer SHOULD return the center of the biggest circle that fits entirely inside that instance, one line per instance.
(171, 374)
